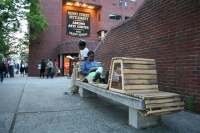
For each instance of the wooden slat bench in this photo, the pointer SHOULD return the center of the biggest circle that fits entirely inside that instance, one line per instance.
(135, 86)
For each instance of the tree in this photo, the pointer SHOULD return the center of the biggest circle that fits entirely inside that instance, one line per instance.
(9, 21)
(37, 21)
(11, 12)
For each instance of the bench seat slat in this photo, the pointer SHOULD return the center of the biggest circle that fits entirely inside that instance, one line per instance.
(159, 96)
(164, 111)
(139, 62)
(139, 66)
(141, 87)
(162, 101)
(164, 104)
(139, 76)
(138, 71)
(138, 82)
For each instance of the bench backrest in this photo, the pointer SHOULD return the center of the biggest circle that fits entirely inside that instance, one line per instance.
(135, 74)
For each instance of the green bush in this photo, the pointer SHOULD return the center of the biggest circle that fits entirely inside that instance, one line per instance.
(190, 103)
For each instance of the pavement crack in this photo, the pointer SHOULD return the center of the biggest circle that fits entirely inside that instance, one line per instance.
(16, 112)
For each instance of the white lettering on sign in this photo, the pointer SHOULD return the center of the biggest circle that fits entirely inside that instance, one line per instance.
(72, 13)
(71, 25)
(78, 23)
(82, 27)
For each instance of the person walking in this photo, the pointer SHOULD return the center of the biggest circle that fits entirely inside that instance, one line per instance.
(55, 68)
(49, 68)
(11, 65)
(43, 67)
(18, 68)
(2, 70)
(22, 68)
(26, 67)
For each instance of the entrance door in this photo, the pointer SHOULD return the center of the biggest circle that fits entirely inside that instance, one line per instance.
(66, 66)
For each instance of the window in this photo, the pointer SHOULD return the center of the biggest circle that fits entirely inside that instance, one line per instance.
(115, 17)
(126, 17)
(120, 2)
(125, 4)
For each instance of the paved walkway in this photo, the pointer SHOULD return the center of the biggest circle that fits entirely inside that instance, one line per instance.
(34, 105)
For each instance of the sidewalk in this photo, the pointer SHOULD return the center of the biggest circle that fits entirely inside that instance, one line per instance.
(34, 105)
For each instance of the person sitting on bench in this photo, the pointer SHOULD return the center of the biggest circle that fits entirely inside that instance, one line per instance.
(90, 68)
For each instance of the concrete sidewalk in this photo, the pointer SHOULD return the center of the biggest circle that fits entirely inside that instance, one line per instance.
(34, 105)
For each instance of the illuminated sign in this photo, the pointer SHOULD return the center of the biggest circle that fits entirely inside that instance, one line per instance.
(78, 23)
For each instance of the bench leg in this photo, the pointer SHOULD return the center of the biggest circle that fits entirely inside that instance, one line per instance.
(138, 121)
(85, 93)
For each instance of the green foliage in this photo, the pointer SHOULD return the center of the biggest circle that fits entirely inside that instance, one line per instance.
(10, 15)
(37, 21)
(190, 103)
(11, 12)
(159, 122)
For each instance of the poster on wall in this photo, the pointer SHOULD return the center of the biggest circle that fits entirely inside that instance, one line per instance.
(78, 23)
(66, 66)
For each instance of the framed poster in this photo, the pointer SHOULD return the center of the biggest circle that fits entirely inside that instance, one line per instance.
(78, 23)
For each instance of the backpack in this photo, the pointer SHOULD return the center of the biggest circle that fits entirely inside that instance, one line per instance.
(43, 65)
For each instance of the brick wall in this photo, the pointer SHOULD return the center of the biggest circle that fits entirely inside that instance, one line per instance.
(45, 45)
(165, 30)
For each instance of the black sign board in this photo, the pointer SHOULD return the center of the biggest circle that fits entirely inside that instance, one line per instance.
(78, 23)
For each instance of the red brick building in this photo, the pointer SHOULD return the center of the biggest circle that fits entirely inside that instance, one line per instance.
(72, 20)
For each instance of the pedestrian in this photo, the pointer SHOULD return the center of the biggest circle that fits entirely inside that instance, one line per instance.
(83, 51)
(18, 68)
(55, 68)
(43, 67)
(83, 54)
(6, 67)
(49, 67)
(11, 65)
(26, 67)
(22, 68)
(2, 70)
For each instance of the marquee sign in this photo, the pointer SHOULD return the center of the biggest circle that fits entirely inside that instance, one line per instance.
(78, 23)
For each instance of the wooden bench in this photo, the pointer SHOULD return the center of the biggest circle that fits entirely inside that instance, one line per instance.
(136, 88)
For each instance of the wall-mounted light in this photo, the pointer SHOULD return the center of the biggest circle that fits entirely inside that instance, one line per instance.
(84, 5)
(90, 7)
(69, 3)
(77, 4)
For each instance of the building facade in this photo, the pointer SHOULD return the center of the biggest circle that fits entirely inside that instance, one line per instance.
(72, 20)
